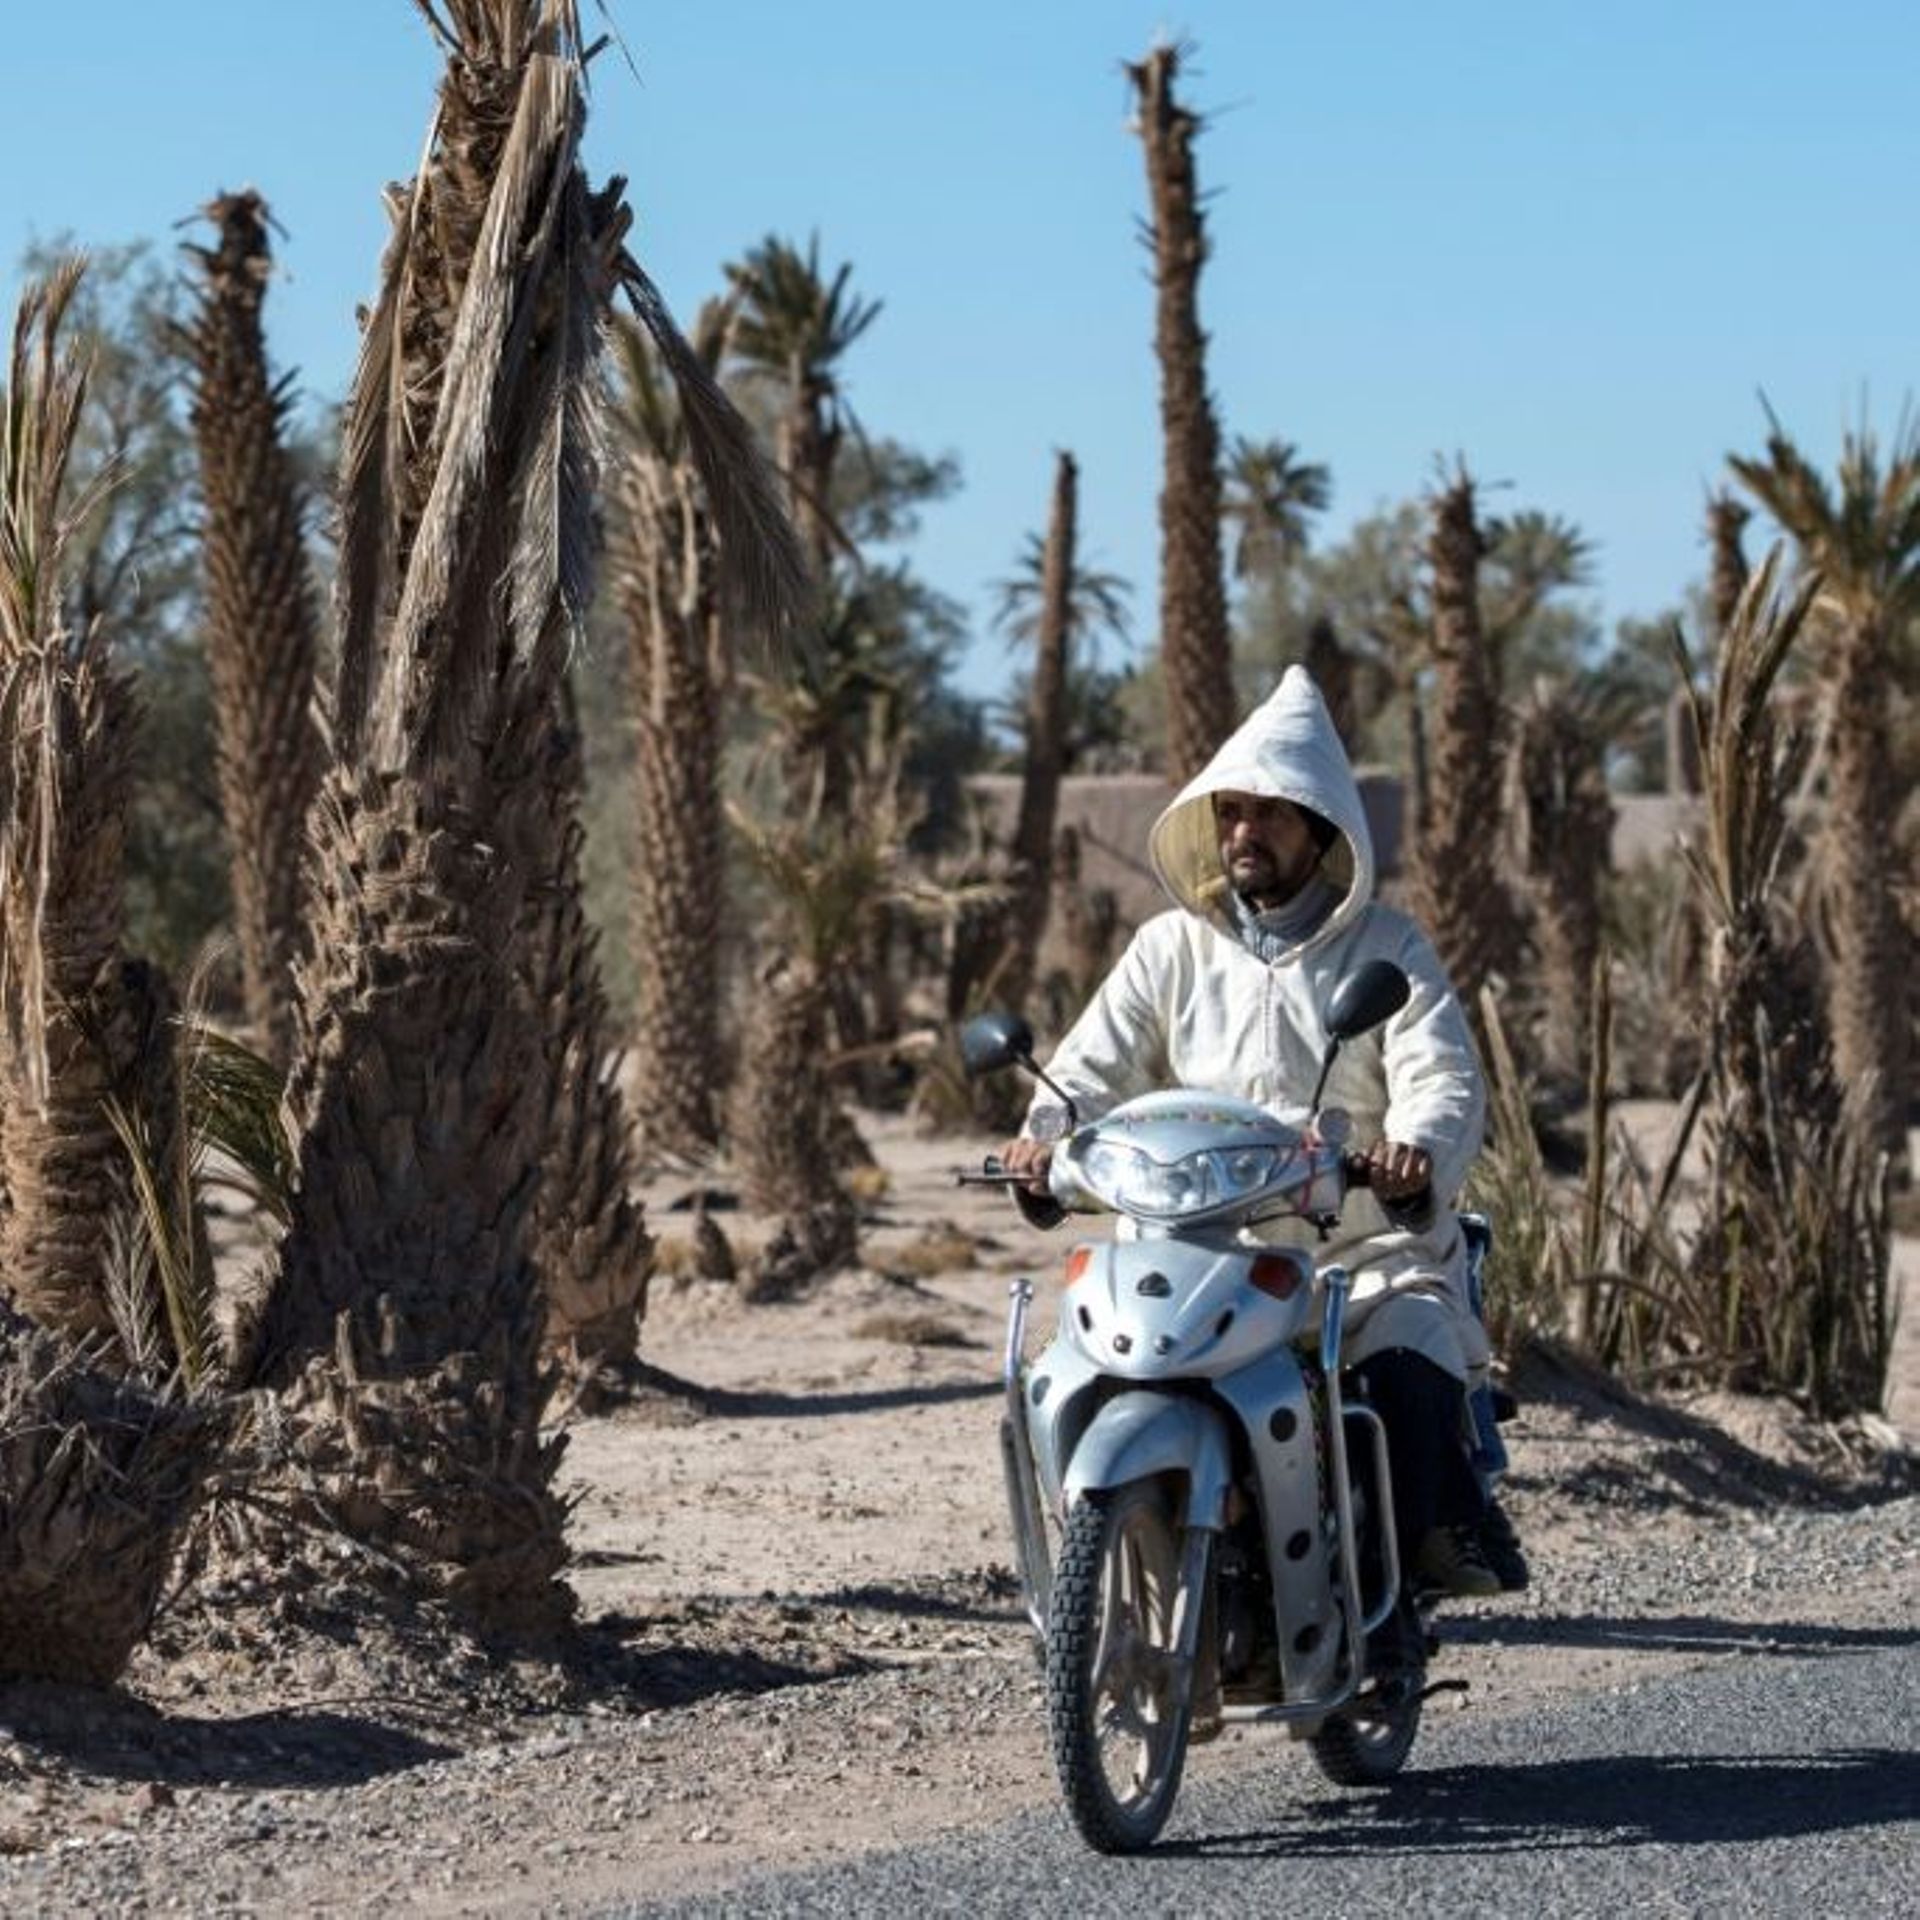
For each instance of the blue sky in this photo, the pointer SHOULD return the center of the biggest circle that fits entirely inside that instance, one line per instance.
(1568, 242)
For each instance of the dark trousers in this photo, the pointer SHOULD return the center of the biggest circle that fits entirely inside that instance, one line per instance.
(1424, 1408)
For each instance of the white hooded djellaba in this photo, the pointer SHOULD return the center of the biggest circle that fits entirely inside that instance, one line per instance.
(1192, 1004)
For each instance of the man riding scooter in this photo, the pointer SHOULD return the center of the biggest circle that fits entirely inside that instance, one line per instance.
(1267, 857)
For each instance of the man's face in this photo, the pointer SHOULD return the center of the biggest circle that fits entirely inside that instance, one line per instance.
(1265, 847)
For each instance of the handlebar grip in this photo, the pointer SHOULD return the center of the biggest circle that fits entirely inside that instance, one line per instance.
(1357, 1168)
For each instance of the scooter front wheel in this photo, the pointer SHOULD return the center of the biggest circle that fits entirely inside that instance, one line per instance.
(1118, 1705)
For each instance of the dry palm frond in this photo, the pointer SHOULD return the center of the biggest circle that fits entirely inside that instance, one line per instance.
(1784, 1285)
(51, 688)
(261, 623)
(763, 574)
(1535, 1247)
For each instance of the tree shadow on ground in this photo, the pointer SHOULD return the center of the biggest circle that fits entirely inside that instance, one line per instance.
(114, 1737)
(728, 1404)
(1678, 1632)
(1689, 1461)
(1624, 1801)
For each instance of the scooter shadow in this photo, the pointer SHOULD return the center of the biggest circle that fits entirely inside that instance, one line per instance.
(1627, 1800)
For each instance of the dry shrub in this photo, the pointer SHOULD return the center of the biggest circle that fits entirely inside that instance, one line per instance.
(937, 1251)
(912, 1330)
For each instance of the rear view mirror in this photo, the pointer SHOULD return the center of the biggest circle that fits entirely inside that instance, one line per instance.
(1365, 998)
(991, 1041)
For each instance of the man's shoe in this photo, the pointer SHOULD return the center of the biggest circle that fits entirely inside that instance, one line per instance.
(1450, 1560)
(1500, 1548)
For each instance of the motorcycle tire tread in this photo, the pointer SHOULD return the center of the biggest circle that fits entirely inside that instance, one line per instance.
(1073, 1626)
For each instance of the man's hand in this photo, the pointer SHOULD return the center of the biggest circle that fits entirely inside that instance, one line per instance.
(1399, 1171)
(1031, 1157)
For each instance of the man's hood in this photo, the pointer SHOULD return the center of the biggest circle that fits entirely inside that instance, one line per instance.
(1285, 749)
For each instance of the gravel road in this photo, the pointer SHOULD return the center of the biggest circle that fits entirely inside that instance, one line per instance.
(1774, 1785)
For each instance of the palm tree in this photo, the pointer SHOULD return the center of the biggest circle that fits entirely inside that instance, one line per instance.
(1459, 882)
(97, 1472)
(1529, 556)
(665, 566)
(82, 1023)
(262, 628)
(1861, 535)
(792, 329)
(1786, 1286)
(1269, 493)
(1193, 601)
(1054, 602)
(1562, 814)
(404, 1324)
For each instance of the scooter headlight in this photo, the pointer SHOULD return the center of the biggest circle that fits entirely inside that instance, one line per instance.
(1134, 1182)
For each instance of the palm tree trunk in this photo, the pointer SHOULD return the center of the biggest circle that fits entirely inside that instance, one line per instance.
(1460, 886)
(262, 628)
(663, 563)
(1564, 816)
(66, 1048)
(781, 1132)
(75, 1031)
(590, 1243)
(1046, 742)
(98, 1476)
(1872, 958)
(1194, 642)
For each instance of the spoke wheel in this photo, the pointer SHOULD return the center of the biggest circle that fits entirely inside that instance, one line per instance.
(1369, 1741)
(1116, 1706)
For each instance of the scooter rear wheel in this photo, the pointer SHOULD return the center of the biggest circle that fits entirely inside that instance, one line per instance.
(1117, 1708)
(1369, 1742)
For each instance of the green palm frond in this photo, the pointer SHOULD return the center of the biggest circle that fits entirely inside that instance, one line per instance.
(1096, 600)
(1269, 491)
(794, 325)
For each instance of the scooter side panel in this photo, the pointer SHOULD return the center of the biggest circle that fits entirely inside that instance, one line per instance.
(1138, 1435)
(1276, 1412)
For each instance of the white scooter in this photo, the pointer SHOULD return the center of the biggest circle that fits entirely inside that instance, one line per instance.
(1226, 1551)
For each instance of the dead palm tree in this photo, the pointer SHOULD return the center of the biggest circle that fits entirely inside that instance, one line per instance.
(1786, 1286)
(97, 1473)
(404, 1324)
(87, 1032)
(1460, 885)
(1194, 643)
(1056, 603)
(1862, 536)
(664, 567)
(262, 628)
(1562, 816)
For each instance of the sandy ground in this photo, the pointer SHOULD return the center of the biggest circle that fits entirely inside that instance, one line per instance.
(801, 1634)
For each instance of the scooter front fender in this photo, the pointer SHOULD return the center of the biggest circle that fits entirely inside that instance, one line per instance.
(1136, 1436)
